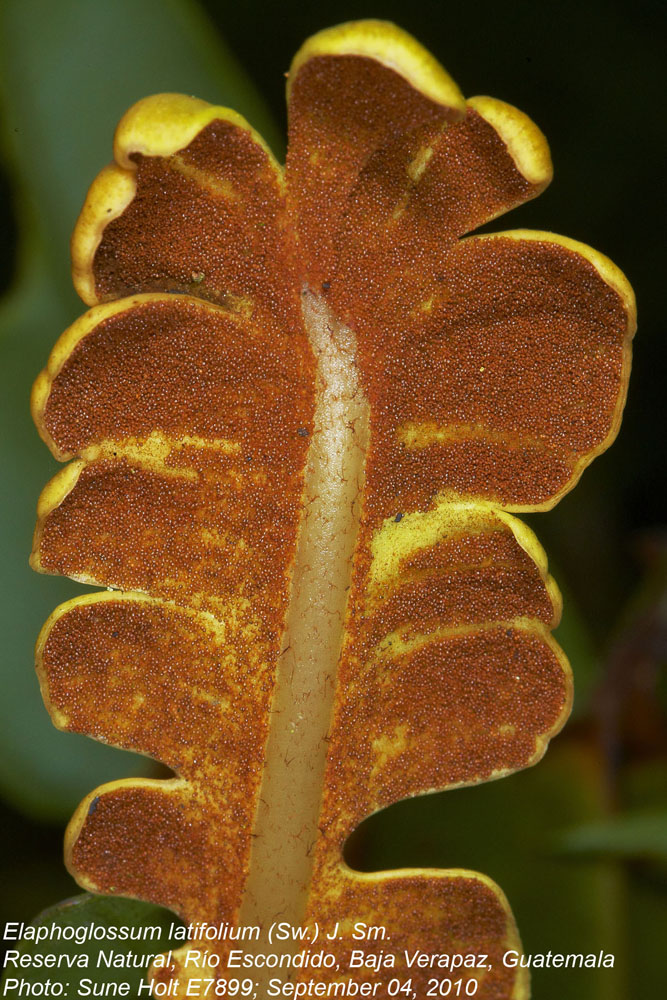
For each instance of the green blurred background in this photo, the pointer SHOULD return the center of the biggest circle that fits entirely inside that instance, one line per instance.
(579, 843)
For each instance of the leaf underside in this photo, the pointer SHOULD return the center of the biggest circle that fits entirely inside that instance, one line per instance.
(245, 324)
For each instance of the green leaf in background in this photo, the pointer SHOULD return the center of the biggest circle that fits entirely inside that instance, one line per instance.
(76, 918)
(574, 637)
(69, 71)
(634, 835)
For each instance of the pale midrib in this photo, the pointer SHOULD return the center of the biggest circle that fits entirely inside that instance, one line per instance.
(285, 826)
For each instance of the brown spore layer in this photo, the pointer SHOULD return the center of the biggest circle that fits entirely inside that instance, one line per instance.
(160, 843)
(342, 108)
(208, 220)
(429, 913)
(447, 711)
(160, 680)
(529, 342)
(494, 369)
(179, 366)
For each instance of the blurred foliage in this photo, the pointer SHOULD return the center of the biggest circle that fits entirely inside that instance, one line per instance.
(577, 843)
(635, 835)
(79, 917)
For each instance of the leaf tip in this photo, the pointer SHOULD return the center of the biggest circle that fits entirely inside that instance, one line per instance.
(394, 48)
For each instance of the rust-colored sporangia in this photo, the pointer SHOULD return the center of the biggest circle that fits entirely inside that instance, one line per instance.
(296, 417)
